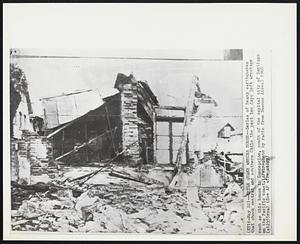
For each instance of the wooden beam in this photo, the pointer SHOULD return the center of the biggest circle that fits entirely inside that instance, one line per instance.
(172, 107)
(82, 145)
(128, 177)
(86, 138)
(63, 141)
(63, 95)
(170, 142)
(57, 114)
(146, 105)
(170, 118)
(187, 120)
(109, 128)
(154, 139)
(187, 156)
(168, 135)
(85, 131)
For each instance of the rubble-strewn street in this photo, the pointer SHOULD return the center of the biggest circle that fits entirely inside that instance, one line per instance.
(109, 204)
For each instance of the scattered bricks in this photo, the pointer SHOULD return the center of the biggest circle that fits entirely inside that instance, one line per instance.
(44, 226)
(36, 171)
(52, 176)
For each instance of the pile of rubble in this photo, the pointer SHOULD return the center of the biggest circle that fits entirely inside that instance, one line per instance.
(110, 204)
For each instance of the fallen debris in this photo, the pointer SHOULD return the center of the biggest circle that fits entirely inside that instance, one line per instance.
(92, 174)
(119, 205)
(123, 176)
(134, 176)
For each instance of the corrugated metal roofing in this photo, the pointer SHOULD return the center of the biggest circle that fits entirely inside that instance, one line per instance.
(67, 107)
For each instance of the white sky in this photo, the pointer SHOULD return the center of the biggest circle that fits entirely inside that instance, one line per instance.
(169, 80)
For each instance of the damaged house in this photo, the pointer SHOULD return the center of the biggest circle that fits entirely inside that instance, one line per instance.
(124, 121)
(130, 128)
(129, 162)
(230, 139)
(30, 152)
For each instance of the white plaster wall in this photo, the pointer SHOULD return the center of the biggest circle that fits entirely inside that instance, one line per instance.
(203, 130)
(234, 144)
(20, 122)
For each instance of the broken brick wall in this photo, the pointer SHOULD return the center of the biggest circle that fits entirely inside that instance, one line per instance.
(14, 160)
(129, 117)
(137, 111)
(22, 163)
(31, 155)
(40, 155)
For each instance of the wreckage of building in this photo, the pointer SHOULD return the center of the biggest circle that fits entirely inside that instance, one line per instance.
(124, 120)
(126, 158)
(129, 128)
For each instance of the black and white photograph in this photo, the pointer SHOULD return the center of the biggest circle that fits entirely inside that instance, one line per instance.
(129, 145)
(139, 121)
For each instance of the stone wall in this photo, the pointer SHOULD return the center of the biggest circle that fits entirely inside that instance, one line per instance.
(21, 120)
(23, 164)
(31, 156)
(14, 160)
(130, 131)
(41, 156)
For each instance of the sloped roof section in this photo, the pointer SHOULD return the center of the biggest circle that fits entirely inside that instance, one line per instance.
(64, 108)
(149, 91)
(90, 114)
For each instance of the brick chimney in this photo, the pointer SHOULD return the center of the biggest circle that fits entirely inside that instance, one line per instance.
(127, 85)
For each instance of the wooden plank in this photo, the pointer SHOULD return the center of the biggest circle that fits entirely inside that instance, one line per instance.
(174, 119)
(82, 145)
(92, 174)
(60, 129)
(109, 128)
(63, 142)
(135, 176)
(146, 105)
(57, 114)
(154, 138)
(172, 107)
(168, 135)
(86, 138)
(127, 177)
(85, 131)
(63, 95)
(187, 156)
(170, 142)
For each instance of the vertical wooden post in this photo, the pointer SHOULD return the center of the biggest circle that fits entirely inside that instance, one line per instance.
(86, 139)
(110, 129)
(85, 132)
(154, 138)
(45, 116)
(147, 154)
(187, 157)
(187, 118)
(63, 142)
(57, 114)
(171, 142)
